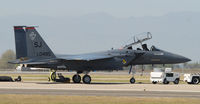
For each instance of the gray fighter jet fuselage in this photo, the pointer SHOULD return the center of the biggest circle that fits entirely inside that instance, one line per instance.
(32, 51)
(119, 59)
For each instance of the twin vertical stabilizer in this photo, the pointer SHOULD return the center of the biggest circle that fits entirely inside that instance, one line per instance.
(29, 44)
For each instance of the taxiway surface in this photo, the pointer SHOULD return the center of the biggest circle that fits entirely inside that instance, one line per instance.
(101, 89)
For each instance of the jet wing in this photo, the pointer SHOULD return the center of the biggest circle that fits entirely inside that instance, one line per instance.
(85, 57)
(18, 61)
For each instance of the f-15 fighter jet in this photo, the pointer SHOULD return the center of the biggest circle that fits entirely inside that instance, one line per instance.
(32, 51)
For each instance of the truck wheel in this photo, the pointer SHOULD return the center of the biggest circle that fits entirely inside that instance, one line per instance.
(195, 80)
(189, 82)
(165, 81)
(154, 82)
(176, 81)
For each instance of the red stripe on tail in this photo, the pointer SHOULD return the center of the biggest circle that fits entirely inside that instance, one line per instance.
(18, 28)
(30, 27)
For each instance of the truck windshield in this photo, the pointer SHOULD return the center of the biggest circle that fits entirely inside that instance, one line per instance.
(169, 74)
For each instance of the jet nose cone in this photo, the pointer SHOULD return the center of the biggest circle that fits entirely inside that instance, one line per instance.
(186, 59)
(183, 59)
(175, 58)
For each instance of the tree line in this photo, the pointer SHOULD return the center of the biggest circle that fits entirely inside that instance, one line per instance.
(8, 55)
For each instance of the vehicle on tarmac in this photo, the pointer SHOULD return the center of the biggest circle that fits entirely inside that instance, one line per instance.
(32, 51)
(165, 77)
(192, 78)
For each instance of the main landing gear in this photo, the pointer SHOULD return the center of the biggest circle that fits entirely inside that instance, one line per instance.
(77, 79)
(86, 79)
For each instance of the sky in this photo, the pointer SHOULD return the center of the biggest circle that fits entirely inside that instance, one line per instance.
(118, 8)
(82, 26)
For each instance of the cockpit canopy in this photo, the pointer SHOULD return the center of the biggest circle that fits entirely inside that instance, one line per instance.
(139, 39)
(145, 48)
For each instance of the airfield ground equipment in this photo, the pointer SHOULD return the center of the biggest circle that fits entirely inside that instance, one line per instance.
(164, 76)
(192, 78)
(60, 78)
(10, 79)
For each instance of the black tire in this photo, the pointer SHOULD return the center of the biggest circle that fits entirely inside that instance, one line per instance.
(165, 81)
(154, 82)
(76, 78)
(195, 80)
(86, 79)
(176, 81)
(18, 79)
(132, 80)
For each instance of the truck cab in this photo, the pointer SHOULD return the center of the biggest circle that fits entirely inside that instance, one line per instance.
(164, 76)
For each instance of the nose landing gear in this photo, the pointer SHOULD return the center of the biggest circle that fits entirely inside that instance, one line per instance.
(132, 80)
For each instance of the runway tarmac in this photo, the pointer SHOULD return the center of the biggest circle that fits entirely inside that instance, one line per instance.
(101, 89)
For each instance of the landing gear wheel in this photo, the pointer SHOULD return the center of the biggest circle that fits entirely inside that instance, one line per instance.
(76, 78)
(132, 80)
(176, 81)
(195, 80)
(165, 81)
(86, 79)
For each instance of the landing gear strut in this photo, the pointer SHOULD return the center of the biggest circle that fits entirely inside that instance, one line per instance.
(132, 80)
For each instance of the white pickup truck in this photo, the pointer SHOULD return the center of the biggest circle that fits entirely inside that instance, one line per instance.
(164, 77)
(192, 78)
